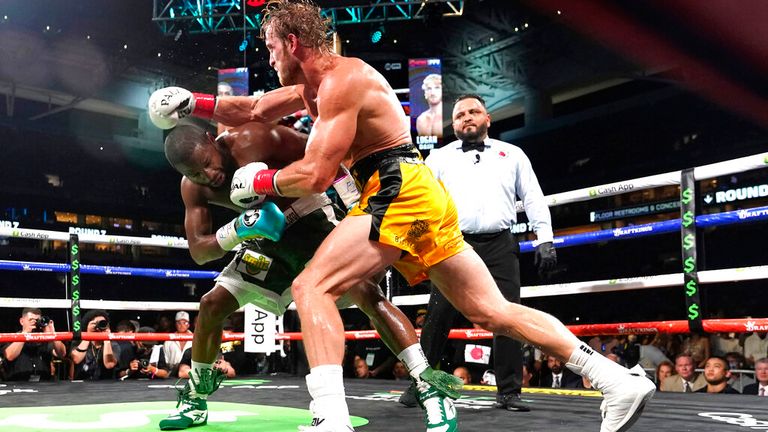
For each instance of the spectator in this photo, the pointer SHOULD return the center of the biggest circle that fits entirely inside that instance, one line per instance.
(663, 370)
(627, 350)
(95, 360)
(717, 372)
(361, 368)
(31, 361)
(698, 347)
(134, 323)
(723, 343)
(686, 379)
(667, 343)
(127, 348)
(163, 324)
(527, 375)
(604, 344)
(759, 388)
(463, 373)
(376, 355)
(650, 355)
(148, 362)
(559, 376)
(400, 372)
(234, 352)
(421, 316)
(536, 362)
(737, 380)
(221, 363)
(174, 349)
(755, 347)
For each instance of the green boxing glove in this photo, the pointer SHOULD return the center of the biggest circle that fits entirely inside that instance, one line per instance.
(266, 221)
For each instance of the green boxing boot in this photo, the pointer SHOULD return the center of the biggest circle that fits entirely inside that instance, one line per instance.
(193, 411)
(435, 391)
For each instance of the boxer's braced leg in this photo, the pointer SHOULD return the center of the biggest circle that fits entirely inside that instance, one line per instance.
(192, 410)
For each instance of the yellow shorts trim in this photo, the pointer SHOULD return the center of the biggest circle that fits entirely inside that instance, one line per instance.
(413, 212)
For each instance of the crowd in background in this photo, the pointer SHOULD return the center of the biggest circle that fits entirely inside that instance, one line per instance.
(695, 362)
(120, 359)
(714, 363)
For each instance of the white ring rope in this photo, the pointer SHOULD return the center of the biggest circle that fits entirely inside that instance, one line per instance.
(36, 234)
(710, 276)
(607, 285)
(671, 178)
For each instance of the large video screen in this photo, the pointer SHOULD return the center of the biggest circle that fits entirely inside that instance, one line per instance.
(425, 83)
(233, 82)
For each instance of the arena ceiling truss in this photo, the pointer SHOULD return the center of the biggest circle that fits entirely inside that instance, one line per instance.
(213, 16)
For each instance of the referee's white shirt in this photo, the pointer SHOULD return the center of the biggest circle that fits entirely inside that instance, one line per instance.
(484, 186)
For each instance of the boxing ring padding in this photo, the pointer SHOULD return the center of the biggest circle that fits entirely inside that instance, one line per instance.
(648, 327)
(551, 410)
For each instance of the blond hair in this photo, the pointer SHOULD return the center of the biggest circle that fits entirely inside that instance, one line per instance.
(299, 17)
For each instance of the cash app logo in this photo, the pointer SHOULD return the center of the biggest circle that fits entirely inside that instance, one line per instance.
(145, 416)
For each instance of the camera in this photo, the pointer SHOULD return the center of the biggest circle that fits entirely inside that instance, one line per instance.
(102, 325)
(143, 363)
(42, 323)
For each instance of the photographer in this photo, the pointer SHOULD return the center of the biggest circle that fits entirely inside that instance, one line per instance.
(95, 360)
(148, 362)
(31, 361)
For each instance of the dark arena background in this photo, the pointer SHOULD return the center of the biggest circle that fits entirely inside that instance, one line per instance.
(646, 124)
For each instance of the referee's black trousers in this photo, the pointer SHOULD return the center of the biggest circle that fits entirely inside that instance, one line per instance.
(500, 253)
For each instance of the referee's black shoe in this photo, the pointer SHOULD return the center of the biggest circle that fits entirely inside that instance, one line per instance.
(408, 398)
(511, 402)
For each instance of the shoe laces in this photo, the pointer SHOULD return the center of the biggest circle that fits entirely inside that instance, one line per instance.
(184, 397)
(209, 380)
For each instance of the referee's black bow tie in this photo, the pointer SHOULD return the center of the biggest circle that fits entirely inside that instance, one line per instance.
(467, 146)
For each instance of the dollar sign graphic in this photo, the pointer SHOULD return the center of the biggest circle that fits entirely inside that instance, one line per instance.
(75, 264)
(690, 288)
(693, 311)
(77, 326)
(74, 249)
(76, 311)
(687, 219)
(686, 196)
(76, 295)
(688, 241)
(690, 264)
(75, 280)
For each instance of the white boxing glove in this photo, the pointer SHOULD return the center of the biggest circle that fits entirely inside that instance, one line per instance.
(167, 105)
(241, 191)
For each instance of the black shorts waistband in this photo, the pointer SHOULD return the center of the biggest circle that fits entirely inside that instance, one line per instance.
(484, 236)
(363, 169)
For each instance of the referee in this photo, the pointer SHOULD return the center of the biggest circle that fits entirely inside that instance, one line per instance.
(484, 176)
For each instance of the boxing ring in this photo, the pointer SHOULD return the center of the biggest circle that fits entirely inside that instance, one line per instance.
(139, 405)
